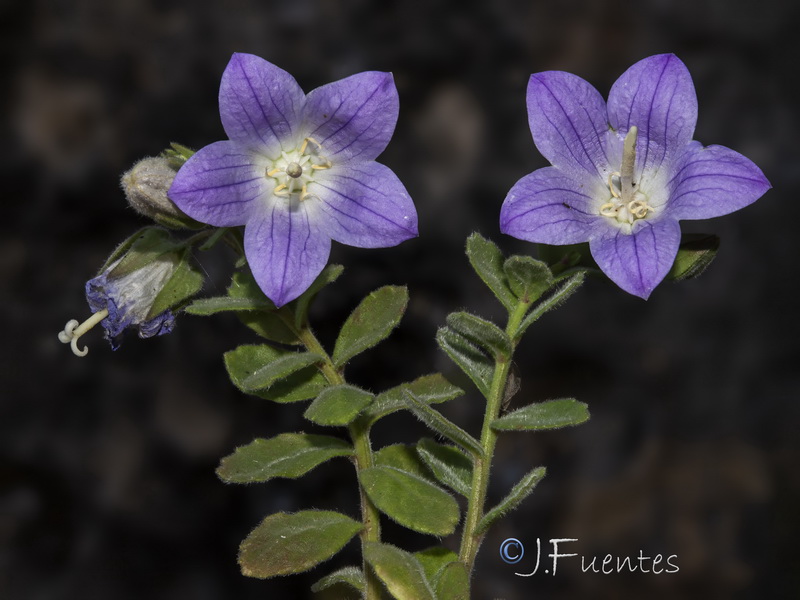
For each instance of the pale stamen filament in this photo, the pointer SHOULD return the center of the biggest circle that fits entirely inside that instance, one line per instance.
(73, 331)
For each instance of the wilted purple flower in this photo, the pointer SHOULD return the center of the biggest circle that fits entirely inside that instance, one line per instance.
(298, 171)
(624, 174)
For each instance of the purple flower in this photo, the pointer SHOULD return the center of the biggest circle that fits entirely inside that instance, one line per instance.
(298, 171)
(624, 174)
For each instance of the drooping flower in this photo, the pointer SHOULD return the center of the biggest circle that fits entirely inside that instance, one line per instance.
(297, 171)
(624, 174)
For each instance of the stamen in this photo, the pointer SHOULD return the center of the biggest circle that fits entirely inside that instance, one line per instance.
(639, 209)
(628, 160)
(611, 185)
(610, 209)
(72, 331)
(326, 165)
(273, 172)
(280, 190)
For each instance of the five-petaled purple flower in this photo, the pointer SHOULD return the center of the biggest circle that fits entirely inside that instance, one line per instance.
(625, 173)
(298, 171)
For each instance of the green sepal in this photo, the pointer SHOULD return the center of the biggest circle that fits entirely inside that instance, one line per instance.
(477, 365)
(371, 321)
(436, 421)
(695, 254)
(528, 278)
(288, 455)
(400, 495)
(552, 414)
(403, 457)
(142, 248)
(177, 155)
(487, 261)
(430, 389)
(400, 571)
(481, 333)
(338, 405)
(328, 275)
(448, 464)
(514, 498)
(243, 361)
(185, 282)
(176, 223)
(566, 286)
(433, 560)
(292, 543)
(452, 582)
(562, 258)
(349, 576)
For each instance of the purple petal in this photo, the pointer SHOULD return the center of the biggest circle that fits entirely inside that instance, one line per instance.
(567, 117)
(657, 96)
(353, 117)
(286, 249)
(260, 104)
(365, 205)
(713, 181)
(638, 262)
(547, 207)
(219, 184)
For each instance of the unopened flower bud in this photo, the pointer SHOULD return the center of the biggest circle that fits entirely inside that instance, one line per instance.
(145, 186)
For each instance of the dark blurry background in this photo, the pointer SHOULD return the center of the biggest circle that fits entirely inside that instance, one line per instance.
(107, 485)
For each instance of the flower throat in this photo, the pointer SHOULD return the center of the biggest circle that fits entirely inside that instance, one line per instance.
(627, 205)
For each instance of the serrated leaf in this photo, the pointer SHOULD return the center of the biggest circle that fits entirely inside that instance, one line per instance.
(185, 282)
(469, 358)
(449, 465)
(517, 494)
(433, 560)
(372, 321)
(328, 275)
(695, 254)
(487, 261)
(292, 543)
(403, 457)
(243, 361)
(338, 405)
(399, 570)
(288, 455)
(351, 576)
(400, 496)
(453, 582)
(430, 389)
(528, 278)
(563, 291)
(481, 333)
(436, 421)
(552, 414)
(280, 368)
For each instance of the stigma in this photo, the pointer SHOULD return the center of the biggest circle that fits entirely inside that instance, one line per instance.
(73, 331)
(627, 204)
(295, 169)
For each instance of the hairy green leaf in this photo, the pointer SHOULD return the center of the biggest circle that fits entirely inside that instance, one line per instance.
(280, 368)
(563, 291)
(292, 543)
(399, 570)
(695, 254)
(430, 389)
(433, 560)
(517, 494)
(210, 306)
(472, 361)
(329, 275)
(487, 261)
(552, 414)
(403, 457)
(453, 582)
(338, 405)
(528, 278)
(351, 576)
(481, 333)
(448, 464)
(436, 421)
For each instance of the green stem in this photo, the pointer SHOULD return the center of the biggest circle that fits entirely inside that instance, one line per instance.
(359, 434)
(470, 541)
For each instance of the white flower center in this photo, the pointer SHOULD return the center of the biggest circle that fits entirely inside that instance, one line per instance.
(294, 170)
(627, 204)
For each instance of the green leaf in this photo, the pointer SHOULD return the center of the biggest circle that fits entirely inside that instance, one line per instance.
(554, 300)
(436, 421)
(329, 275)
(292, 543)
(449, 465)
(552, 414)
(281, 367)
(338, 405)
(269, 326)
(185, 282)
(434, 559)
(399, 570)
(205, 307)
(351, 576)
(528, 278)
(403, 457)
(431, 389)
(245, 360)
(371, 322)
(472, 361)
(401, 496)
(243, 286)
(487, 260)
(289, 455)
(695, 254)
(453, 582)
(481, 333)
(515, 497)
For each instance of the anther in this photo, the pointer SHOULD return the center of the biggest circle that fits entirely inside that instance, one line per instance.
(609, 209)
(72, 331)
(281, 190)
